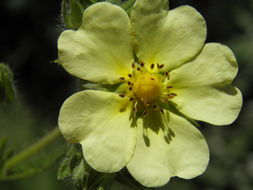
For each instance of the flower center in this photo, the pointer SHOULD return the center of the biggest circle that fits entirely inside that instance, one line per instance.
(147, 87)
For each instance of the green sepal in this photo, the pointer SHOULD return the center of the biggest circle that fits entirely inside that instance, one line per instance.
(72, 11)
(86, 85)
(7, 88)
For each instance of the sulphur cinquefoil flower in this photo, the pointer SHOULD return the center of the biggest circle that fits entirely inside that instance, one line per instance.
(167, 77)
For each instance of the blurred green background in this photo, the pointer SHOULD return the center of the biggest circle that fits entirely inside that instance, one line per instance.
(28, 37)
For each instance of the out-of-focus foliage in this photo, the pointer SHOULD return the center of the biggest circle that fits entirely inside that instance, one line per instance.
(7, 89)
(28, 44)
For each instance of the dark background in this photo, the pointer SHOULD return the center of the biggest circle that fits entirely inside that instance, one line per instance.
(28, 43)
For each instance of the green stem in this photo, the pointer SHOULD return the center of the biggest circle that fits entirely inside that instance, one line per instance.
(36, 147)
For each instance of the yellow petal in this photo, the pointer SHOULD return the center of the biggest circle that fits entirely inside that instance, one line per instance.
(175, 148)
(101, 122)
(216, 105)
(100, 50)
(216, 64)
(169, 38)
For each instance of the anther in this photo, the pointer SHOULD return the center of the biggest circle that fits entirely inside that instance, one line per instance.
(169, 87)
(133, 66)
(138, 68)
(129, 83)
(152, 78)
(166, 74)
(131, 88)
(152, 66)
(171, 95)
(131, 99)
(160, 66)
(164, 100)
(142, 64)
(144, 113)
(122, 95)
(154, 106)
(122, 78)
(161, 110)
(130, 76)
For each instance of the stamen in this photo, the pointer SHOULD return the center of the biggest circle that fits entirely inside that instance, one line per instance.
(152, 66)
(142, 64)
(122, 95)
(129, 83)
(135, 107)
(131, 88)
(152, 78)
(133, 66)
(167, 73)
(131, 99)
(138, 68)
(164, 100)
(130, 76)
(122, 78)
(161, 110)
(169, 87)
(171, 95)
(145, 113)
(161, 66)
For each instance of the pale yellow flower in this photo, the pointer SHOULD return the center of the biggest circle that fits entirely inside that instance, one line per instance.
(167, 77)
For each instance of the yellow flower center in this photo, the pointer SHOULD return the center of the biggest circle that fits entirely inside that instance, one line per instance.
(147, 87)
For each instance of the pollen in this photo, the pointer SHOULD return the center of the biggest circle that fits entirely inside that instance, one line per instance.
(147, 87)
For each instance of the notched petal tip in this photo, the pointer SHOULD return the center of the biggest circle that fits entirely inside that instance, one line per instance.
(100, 50)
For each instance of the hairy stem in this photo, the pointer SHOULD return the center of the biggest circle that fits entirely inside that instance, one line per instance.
(33, 149)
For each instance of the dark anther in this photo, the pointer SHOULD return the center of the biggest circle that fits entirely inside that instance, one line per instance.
(170, 95)
(152, 66)
(122, 78)
(160, 66)
(144, 113)
(133, 65)
(131, 99)
(130, 75)
(169, 86)
(129, 83)
(161, 110)
(154, 107)
(164, 100)
(138, 68)
(166, 74)
(122, 95)
(130, 88)
(142, 64)
(152, 78)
